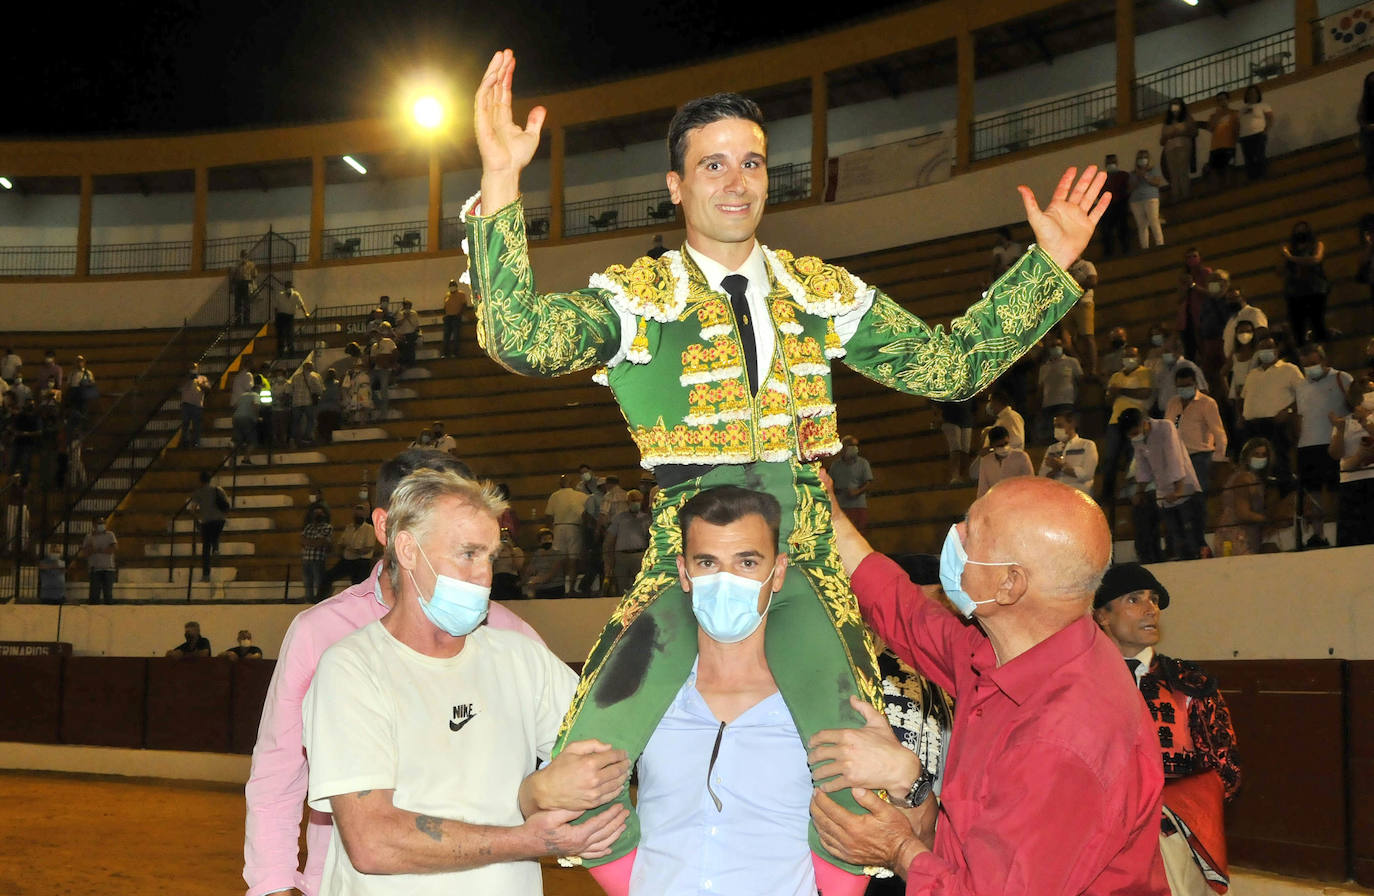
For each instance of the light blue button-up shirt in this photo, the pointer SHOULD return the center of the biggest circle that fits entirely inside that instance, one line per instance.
(756, 842)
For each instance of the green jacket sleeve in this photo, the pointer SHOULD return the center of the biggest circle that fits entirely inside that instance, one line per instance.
(899, 350)
(526, 332)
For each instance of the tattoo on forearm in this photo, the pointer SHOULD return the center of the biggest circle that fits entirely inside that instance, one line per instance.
(430, 826)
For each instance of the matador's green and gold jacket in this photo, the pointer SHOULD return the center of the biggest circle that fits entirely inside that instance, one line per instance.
(679, 377)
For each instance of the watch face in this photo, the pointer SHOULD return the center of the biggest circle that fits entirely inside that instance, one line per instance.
(920, 791)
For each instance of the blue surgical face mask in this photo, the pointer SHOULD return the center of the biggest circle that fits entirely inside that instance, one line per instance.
(952, 563)
(1187, 392)
(727, 605)
(456, 607)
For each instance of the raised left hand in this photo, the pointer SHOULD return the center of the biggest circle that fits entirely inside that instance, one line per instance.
(1065, 226)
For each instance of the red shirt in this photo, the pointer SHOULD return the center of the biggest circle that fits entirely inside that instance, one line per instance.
(1053, 781)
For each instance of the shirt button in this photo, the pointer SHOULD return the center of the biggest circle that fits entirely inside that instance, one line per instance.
(713, 831)
(978, 713)
(706, 885)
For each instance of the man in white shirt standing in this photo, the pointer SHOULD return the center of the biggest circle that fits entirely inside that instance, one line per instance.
(1268, 400)
(1072, 459)
(285, 304)
(1198, 420)
(1321, 395)
(1165, 478)
(425, 717)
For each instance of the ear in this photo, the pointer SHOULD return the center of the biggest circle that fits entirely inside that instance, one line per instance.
(407, 552)
(780, 573)
(1100, 617)
(675, 187)
(379, 523)
(682, 576)
(1014, 586)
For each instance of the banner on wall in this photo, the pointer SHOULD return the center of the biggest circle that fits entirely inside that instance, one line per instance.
(890, 168)
(1347, 31)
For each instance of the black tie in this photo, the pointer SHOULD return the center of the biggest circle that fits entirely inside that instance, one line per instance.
(1133, 664)
(735, 285)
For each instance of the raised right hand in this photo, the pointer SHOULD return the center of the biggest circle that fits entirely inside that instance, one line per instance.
(505, 147)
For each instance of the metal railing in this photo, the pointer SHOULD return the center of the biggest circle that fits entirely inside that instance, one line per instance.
(37, 261)
(537, 222)
(139, 258)
(1057, 119)
(788, 183)
(375, 239)
(222, 252)
(617, 213)
(1203, 78)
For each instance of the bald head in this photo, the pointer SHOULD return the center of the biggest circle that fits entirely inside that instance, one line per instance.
(1053, 531)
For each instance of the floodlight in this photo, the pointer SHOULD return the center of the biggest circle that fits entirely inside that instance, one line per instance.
(428, 112)
(355, 164)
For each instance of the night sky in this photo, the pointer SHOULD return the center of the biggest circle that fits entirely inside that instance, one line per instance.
(180, 67)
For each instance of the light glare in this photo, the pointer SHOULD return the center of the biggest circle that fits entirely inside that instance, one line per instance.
(355, 164)
(5, 182)
(428, 112)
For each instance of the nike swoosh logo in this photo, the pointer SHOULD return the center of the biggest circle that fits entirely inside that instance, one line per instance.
(458, 726)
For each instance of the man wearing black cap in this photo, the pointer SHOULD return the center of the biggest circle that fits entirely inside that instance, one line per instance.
(1196, 737)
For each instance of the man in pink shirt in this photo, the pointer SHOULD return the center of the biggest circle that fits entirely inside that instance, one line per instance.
(1053, 782)
(277, 786)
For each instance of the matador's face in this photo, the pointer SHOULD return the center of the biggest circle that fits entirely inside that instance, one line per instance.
(724, 185)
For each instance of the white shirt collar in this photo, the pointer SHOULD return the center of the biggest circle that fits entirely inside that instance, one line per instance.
(1145, 656)
(755, 268)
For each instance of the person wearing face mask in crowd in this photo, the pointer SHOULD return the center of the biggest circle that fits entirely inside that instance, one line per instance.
(1305, 286)
(277, 786)
(1224, 124)
(314, 501)
(98, 547)
(542, 576)
(1130, 387)
(1193, 300)
(1081, 326)
(426, 716)
(1001, 461)
(1114, 224)
(1072, 459)
(627, 537)
(1352, 445)
(1238, 309)
(1268, 403)
(1110, 362)
(506, 568)
(852, 476)
(1146, 180)
(317, 536)
(244, 649)
(1166, 486)
(1321, 399)
(1177, 141)
(1247, 522)
(1256, 119)
(1001, 412)
(1033, 670)
(1059, 376)
(1237, 368)
(1198, 420)
(1171, 360)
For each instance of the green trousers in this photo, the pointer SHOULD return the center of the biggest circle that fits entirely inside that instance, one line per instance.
(818, 648)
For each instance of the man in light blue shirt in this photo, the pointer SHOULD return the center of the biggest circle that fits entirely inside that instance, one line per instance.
(724, 781)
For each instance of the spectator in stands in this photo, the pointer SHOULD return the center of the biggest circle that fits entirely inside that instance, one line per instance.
(627, 538)
(315, 501)
(1059, 377)
(565, 507)
(509, 519)
(358, 547)
(195, 644)
(384, 363)
(1164, 477)
(1224, 124)
(1239, 309)
(307, 387)
(281, 409)
(264, 387)
(1364, 117)
(1237, 368)
(9, 366)
(241, 278)
(1198, 419)
(244, 381)
(330, 408)
(956, 423)
(1200, 316)
(1001, 461)
(81, 391)
(1321, 400)
(22, 392)
(1111, 360)
(1256, 119)
(1177, 139)
(442, 440)
(211, 506)
(244, 649)
(50, 370)
(852, 475)
(1247, 522)
(388, 315)
(1305, 286)
(543, 575)
(1352, 444)
(407, 333)
(1005, 253)
(1196, 738)
(356, 390)
(245, 423)
(1072, 459)
(1164, 369)
(1114, 225)
(1268, 403)
(317, 540)
(98, 548)
(1081, 323)
(505, 569)
(586, 480)
(1130, 387)
(1003, 414)
(375, 318)
(285, 304)
(1146, 180)
(193, 406)
(455, 303)
(16, 516)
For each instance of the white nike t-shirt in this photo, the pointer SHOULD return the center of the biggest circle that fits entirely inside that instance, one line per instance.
(452, 737)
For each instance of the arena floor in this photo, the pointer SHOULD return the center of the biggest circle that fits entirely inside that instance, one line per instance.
(66, 835)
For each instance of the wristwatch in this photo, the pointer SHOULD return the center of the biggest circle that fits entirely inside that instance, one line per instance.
(919, 792)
